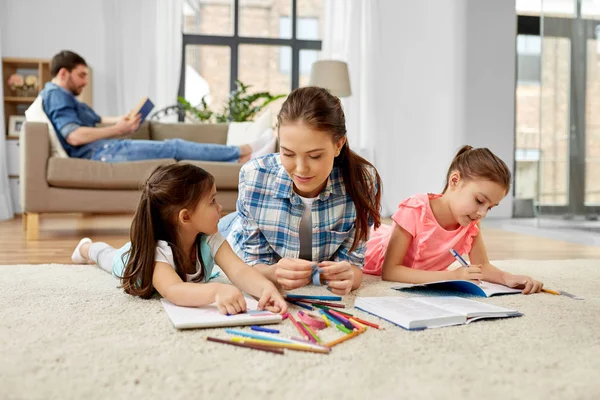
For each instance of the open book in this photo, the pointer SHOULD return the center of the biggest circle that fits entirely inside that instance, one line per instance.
(485, 289)
(414, 313)
(210, 317)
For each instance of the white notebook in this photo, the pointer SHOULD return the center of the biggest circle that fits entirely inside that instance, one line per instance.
(485, 289)
(415, 313)
(210, 317)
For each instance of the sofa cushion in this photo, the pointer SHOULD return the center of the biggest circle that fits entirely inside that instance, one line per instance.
(86, 174)
(202, 133)
(226, 174)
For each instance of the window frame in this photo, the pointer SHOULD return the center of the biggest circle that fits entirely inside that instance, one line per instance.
(234, 41)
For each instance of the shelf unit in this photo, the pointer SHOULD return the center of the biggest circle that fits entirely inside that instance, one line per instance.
(16, 105)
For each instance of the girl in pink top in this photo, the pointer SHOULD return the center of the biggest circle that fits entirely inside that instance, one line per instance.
(416, 248)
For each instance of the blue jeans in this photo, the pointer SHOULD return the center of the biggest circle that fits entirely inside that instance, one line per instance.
(136, 150)
(226, 222)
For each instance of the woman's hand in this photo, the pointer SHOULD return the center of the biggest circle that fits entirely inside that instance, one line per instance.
(292, 274)
(338, 276)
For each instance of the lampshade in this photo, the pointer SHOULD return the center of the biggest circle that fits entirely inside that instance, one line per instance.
(331, 75)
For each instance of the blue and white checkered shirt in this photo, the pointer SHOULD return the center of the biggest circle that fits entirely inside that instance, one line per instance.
(269, 214)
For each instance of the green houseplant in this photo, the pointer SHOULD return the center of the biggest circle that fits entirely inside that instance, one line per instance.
(241, 106)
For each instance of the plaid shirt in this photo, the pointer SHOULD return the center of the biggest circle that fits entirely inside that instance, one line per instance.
(269, 213)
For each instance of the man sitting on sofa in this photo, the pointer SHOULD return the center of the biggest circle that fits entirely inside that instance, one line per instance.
(75, 125)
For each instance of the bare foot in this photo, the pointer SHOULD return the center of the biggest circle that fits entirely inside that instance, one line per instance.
(244, 159)
(245, 150)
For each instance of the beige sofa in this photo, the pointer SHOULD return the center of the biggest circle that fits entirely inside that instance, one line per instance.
(72, 185)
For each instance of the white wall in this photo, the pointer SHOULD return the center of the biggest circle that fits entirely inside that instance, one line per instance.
(444, 79)
(490, 82)
(40, 29)
(126, 43)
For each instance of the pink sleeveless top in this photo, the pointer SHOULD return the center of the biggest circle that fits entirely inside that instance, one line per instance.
(429, 249)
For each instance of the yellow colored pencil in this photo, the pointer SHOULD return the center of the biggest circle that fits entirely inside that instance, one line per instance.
(326, 321)
(358, 325)
(343, 339)
(291, 346)
(551, 292)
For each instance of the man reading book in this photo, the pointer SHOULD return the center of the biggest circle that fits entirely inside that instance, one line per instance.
(75, 125)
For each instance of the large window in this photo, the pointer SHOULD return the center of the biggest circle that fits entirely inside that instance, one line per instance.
(557, 150)
(268, 44)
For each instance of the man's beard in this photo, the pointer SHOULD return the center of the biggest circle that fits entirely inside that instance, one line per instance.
(73, 88)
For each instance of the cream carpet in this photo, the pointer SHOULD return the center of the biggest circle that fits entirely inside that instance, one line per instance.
(68, 332)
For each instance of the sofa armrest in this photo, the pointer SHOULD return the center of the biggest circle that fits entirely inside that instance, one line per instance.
(35, 150)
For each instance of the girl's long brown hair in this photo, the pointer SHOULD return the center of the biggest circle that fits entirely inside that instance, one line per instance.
(168, 190)
(322, 111)
(481, 164)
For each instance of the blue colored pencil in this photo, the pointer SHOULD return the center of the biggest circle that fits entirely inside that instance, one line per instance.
(303, 296)
(261, 329)
(256, 336)
(460, 260)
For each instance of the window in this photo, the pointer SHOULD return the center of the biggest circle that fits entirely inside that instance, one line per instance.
(308, 28)
(250, 40)
(529, 51)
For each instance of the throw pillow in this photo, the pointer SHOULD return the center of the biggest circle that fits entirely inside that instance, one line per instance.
(35, 113)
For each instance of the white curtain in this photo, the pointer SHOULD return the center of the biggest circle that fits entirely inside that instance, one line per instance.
(6, 208)
(143, 52)
(350, 35)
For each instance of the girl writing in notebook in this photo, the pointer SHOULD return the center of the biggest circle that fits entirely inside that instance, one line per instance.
(174, 245)
(415, 249)
(304, 215)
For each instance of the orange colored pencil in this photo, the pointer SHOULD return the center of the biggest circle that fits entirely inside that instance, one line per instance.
(551, 291)
(343, 339)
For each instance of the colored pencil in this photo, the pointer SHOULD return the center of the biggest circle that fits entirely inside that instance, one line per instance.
(301, 296)
(310, 332)
(362, 321)
(344, 329)
(298, 327)
(326, 320)
(551, 291)
(358, 325)
(343, 319)
(247, 345)
(256, 336)
(330, 317)
(321, 303)
(343, 339)
(261, 329)
(291, 346)
(300, 304)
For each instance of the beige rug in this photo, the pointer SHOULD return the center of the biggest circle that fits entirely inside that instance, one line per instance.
(67, 332)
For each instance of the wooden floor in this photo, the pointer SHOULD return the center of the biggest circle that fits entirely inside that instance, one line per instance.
(60, 233)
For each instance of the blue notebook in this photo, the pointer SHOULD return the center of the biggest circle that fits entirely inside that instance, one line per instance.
(485, 289)
(143, 108)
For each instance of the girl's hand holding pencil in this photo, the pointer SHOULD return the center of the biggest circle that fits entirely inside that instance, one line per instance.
(471, 273)
(272, 300)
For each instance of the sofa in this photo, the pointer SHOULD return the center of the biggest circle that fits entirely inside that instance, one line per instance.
(51, 184)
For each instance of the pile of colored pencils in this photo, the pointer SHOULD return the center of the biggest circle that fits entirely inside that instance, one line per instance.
(307, 324)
